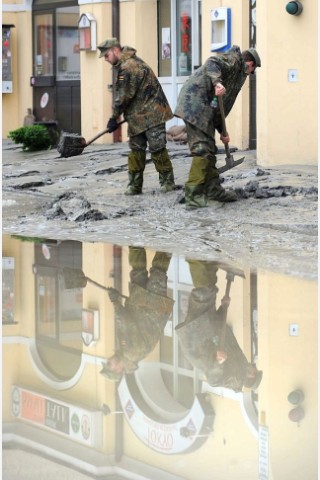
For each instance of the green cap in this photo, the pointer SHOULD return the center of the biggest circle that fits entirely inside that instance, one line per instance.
(255, 55)
(104, 46)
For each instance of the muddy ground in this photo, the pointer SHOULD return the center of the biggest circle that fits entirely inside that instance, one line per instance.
(273, 225)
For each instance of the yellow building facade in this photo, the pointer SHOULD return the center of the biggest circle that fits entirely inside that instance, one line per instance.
(282, 113)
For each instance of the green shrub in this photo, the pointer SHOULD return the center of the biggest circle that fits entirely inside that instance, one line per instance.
(32, 137)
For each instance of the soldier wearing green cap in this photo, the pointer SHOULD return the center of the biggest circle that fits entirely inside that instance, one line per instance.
(221, 75)
(205, 338)
(140, 99)
(140, 322)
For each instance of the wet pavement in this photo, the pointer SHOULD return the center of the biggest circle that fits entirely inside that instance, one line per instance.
(272, 226)
(190, 301)
(123, 362)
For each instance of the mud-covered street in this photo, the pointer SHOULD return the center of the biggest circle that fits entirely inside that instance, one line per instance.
(272, 226)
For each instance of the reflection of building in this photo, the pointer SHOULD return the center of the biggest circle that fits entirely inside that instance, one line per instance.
(63, 80)
(65, 410)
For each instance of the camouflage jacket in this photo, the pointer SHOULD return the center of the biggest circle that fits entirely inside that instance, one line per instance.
(138, 94)
(140, 323)
(197, 93)
(199, 340)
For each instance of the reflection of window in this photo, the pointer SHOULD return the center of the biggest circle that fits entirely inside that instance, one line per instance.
(46, 294)
(58, 308)
(43, 61)
(7, 290)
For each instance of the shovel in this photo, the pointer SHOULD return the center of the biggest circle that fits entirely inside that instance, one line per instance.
(230, 162)
(72, 144)
(71, 278)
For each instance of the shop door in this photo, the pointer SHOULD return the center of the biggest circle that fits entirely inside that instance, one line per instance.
(56, 76)
(68, 112)
(179, 40)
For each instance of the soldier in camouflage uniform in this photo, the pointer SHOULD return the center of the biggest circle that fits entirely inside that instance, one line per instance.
(140, 322)
(206, 340)
(140, 98)
(223, 74)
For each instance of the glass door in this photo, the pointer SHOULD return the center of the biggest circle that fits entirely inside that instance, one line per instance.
(179, 41)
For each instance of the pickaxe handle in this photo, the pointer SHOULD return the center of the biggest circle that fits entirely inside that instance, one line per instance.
(230, 278)
(230, 162)
(223, 122)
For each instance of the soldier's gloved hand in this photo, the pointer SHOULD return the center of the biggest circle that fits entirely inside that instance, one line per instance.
(112, 124)
(113, 294)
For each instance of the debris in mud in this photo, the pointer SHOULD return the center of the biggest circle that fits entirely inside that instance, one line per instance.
(24, 174)
(70, 206)
(253, 190)
(30, 185)
(110, 170)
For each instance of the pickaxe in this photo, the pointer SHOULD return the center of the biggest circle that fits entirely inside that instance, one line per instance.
(230, 162)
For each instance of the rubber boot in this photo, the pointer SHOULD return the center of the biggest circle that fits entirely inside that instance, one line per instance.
(195, 196)
(195, 187)
(138, 264)
(166, 180)
(136, 165)
(214, 191)
(163, 166)
(135, 183)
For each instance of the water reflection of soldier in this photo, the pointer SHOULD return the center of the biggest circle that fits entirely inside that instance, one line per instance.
(141, 320)
(205, 338)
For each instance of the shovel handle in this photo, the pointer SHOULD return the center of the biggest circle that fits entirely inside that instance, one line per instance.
(223, 122)
(102, 133)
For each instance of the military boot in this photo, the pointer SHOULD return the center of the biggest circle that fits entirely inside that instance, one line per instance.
(166, 180)
(136, 165)
(216, 192)
(195, 196)
(163, 166)
(195, 187)
(135, 183)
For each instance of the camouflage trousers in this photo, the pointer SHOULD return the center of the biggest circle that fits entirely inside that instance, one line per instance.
(203, 150)
(155, 138)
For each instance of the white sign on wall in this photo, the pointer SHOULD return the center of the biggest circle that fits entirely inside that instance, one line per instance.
(187, 433)
(76, 423)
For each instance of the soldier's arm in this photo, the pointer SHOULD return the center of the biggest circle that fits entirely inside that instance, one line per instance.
(214, 73)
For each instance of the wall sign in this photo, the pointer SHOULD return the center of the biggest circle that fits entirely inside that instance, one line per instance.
(78, 424)
(6, 59)
(88, 32)
(186, 434)
(90, 326)
(44, 100)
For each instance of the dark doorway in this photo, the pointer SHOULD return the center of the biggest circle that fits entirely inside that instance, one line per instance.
(56, 64)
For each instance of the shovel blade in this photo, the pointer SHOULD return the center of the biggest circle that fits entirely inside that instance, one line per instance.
(230, 163)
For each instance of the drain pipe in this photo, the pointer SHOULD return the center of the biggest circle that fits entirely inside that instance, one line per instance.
(117, 136)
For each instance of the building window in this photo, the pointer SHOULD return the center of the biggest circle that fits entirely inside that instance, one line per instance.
(68, 48)
(165, 38)
(43, 41)
(184, 37)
